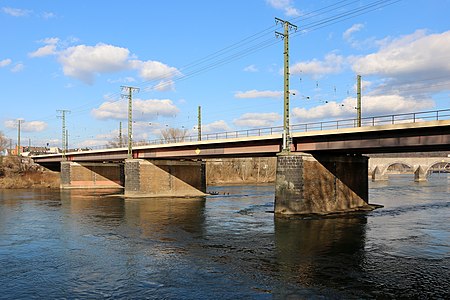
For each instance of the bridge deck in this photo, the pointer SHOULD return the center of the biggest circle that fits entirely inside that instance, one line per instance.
(408, 137)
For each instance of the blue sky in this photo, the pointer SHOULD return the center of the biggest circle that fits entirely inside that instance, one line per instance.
(222, 55)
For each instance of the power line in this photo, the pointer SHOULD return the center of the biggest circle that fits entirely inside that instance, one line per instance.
(247, 45)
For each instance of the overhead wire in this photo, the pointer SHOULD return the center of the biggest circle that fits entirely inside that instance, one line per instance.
(218, 58)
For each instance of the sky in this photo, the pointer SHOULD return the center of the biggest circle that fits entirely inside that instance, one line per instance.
(221, 55)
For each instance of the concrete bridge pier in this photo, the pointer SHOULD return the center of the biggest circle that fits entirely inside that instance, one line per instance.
(85, 175)
(164, 178)
(321, 184)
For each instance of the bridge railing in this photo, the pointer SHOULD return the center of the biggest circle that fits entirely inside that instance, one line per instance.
(415, 117)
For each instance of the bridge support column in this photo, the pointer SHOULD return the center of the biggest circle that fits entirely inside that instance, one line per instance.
(321, 184)
(420, 174)
(378, 175)
(91, 175)
(164, 178)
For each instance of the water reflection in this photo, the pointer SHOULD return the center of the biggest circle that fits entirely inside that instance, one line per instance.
(161, 218)
(91, 244)
(314, 251)
(157, 218)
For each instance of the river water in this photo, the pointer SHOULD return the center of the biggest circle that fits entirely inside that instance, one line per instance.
(71, 244)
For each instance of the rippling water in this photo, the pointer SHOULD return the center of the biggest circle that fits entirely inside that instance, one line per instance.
(73, 244)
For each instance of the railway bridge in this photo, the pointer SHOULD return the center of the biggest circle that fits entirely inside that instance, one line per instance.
(325, 171)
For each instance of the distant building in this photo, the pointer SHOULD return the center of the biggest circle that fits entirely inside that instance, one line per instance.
(54, 150)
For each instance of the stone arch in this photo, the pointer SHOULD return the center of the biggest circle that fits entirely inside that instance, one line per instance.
(411, 167)
(379, 171)
(430, 166)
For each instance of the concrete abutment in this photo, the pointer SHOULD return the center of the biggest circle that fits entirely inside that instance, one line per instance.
(321, 184)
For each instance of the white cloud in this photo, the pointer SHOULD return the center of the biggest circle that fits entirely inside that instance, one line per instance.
(332, 63)
(34, 126)
(18, 68)
(251, 68)
(151, 70)
(371, 106)
(409, 56)
(50, 41)
(257, 120)
(291, 12)
(48, 15)
(285, 5)
(414, 65)
(16, 12)
(84, 62)
(347, 35)
(258, 94)
(43, 51)
(122, 80)
(31, 126)
(321, 112)
(165, 85)
(142, 109)
(5, 62)
(48, 49)
(217, 126)
(10, 124)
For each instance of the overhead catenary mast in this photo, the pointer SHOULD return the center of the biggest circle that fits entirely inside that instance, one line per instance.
(19, 121)
(64, 131)
(285, 36)
(199, 125)
(358, 99)
(129, 96)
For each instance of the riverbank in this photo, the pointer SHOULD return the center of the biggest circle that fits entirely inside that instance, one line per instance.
(20, 173)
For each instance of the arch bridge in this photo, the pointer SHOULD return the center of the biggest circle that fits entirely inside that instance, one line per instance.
(420, 166)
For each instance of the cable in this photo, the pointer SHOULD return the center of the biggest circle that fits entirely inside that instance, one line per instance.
(218, 58)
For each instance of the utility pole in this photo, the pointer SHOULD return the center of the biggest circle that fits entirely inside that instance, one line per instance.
(129, 96)
(19, 121)
(64, 131)
(285, 35)
(120, 135)
(358, 99)
(199, 125)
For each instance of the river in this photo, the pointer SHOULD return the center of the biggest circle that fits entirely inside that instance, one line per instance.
(71, 244)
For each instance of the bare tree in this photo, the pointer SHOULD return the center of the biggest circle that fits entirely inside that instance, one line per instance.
(172, 135)
(117, 143)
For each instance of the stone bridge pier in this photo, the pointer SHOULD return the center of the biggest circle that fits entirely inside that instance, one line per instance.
(321, 184)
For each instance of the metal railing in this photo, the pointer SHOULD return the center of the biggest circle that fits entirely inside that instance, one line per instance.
(414, 117)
